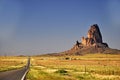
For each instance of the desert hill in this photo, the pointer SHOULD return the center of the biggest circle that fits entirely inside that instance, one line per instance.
(93, 43)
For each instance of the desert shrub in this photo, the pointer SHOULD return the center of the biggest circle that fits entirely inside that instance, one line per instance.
(67, 58)
(62, 72)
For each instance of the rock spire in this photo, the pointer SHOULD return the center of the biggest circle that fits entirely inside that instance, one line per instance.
(94, 37)
(93, 43)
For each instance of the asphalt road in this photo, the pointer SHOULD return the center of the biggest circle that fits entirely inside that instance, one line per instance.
(15, 74)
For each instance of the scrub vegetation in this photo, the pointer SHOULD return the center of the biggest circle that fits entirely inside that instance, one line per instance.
(85, 67)
(11, 62)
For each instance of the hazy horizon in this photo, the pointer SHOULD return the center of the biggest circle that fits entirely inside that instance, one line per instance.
(31, 27)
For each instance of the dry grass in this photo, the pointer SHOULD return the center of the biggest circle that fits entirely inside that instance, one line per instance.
(87, 67)
(10, 62)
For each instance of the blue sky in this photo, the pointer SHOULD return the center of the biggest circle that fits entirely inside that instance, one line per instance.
(30, 27)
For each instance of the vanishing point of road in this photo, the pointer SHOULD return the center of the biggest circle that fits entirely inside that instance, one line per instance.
(18, 74)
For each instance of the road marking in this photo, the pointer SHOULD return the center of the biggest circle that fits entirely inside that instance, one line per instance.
(24, 75)
(27, 66)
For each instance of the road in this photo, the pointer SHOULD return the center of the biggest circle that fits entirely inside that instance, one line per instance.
(15, 74)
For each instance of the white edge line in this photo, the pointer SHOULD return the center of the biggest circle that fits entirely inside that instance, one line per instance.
(24, 74)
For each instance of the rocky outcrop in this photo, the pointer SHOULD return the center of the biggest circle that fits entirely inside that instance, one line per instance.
(94, 38)
(93, 43)
(95, 34)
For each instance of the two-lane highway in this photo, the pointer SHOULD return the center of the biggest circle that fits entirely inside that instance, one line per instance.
(18, 74)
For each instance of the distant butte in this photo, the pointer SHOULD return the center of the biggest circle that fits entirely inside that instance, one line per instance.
(94, 38)
(93, 43)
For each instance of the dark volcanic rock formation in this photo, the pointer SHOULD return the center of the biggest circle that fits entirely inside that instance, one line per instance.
(94, 37)
(93, 43)
(95, 34)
